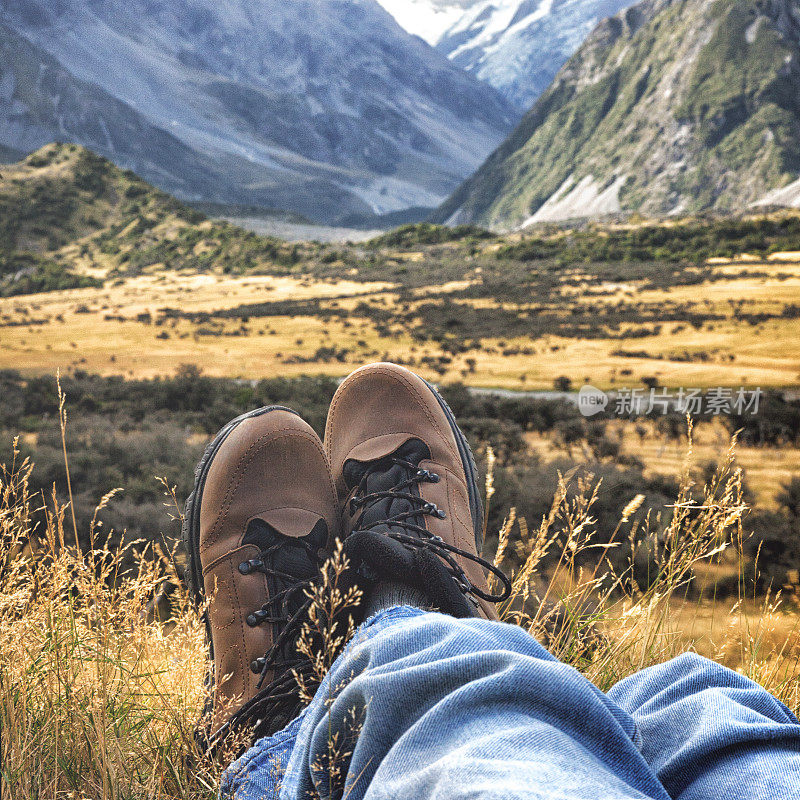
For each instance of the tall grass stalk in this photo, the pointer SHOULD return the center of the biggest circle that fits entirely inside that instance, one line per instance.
(62, 419)
(610, 622)
(99, 698)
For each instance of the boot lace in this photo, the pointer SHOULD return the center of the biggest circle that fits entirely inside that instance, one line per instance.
(286, 609)
(414, 535)
(278, 702)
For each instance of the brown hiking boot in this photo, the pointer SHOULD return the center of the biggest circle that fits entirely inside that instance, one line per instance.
(257, 529)
(408, 490)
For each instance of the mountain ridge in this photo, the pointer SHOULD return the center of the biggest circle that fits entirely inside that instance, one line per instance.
(71, 218)
(518, 46)
(324, 108)
(428, 19)
(670, 107)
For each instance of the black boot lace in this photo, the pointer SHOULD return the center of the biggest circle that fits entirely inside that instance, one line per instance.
(286, 609)
(404, 526)
(278, 702)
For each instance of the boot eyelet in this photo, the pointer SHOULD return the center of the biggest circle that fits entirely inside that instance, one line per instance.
(256, 618)
(245, 568)
(440, 513)
(433, 477)
(256, 666)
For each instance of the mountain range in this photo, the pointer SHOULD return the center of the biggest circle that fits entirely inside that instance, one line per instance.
(517, 46)
(670, 107)
(322, 107)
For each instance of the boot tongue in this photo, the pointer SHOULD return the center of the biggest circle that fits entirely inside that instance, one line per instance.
(292, 558)
(382, 476)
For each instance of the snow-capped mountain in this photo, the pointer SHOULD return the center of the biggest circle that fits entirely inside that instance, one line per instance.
(428, 19)
(518, 46)
(323, 107)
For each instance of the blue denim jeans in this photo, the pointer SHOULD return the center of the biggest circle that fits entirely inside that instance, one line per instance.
(421, 705)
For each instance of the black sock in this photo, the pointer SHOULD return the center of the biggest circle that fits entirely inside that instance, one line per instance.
(388, 594)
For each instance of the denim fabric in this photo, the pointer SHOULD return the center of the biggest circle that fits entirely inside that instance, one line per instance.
(709, 732)
(421, 705)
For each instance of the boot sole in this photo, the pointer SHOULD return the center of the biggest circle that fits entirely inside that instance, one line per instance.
(470, 470)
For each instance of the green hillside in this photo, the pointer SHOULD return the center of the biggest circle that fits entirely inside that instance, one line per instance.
(674, 106)
(70, 218)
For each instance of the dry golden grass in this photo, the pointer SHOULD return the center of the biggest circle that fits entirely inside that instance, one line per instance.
(98, 699)
(604, 623)
(734, 351)
(722, 631)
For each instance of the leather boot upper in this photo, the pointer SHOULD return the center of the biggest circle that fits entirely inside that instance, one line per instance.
(376, 412)
(271, 468)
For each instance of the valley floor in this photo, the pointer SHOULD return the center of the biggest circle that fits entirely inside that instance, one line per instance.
(740, 327)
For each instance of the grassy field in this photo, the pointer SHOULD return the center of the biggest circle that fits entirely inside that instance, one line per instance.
(689, 303)
(98, 696)
(767, 469)
(149, 310)
(148, 325)
(159, 291)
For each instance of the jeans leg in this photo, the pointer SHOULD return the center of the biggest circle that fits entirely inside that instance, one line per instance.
(259, 773)
(708, 732)
(422, 705)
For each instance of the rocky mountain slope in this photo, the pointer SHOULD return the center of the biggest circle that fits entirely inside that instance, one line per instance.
(322, 107)
(518, 46)
(671, 107)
